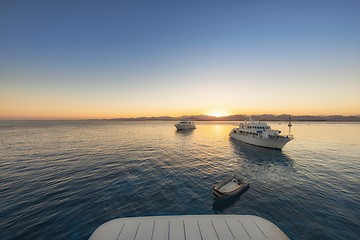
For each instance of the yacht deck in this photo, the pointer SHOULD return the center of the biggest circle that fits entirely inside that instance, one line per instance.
(196, 227)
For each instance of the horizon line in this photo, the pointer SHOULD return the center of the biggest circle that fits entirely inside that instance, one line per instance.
(163, 117)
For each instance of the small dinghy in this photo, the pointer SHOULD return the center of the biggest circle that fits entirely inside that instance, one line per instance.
(230, 187)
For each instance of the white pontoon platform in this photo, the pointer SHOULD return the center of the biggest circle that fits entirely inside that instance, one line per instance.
(196, 227)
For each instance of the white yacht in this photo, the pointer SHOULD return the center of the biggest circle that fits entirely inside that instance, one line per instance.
(260, 134)
(184, 125)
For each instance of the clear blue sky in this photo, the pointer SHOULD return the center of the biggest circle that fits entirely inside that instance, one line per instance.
(84, 59)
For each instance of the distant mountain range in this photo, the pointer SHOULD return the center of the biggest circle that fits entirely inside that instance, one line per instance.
(262, 117)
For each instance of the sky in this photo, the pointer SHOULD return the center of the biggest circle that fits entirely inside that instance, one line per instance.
(111, 59)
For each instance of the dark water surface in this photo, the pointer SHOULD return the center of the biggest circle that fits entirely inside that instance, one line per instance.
(62, 179)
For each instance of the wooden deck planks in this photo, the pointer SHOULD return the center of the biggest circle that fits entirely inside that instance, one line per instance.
(192, 229)
(268, 228)
(109, 229)
(145, 230)
(197, 227)
(252, 229)
(222, 229)
(238, 229)
(130, 229)
(161, 229)
(176, 230)
(207, 229)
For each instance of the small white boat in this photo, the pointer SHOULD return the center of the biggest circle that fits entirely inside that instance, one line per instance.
(230, 187)
(260, 134)
(184, 125)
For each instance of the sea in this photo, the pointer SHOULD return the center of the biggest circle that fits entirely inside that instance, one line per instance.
(63, 179)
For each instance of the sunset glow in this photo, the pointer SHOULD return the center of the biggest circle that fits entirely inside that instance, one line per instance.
(174, 59)
(218, 113)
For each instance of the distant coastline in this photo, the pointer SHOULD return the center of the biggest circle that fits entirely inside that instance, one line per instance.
(261, 117)
(238, 117)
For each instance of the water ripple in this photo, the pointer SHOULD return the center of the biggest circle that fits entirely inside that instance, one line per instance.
(62, 179)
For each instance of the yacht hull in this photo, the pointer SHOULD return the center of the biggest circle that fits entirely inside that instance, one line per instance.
(276, 143)
(180, 127)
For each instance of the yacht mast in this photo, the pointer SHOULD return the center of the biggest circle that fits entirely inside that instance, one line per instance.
(289, 125)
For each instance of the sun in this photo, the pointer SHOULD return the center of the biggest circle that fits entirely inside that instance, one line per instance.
(218, 113)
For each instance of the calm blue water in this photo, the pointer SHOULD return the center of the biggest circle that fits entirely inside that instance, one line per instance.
(62, 179)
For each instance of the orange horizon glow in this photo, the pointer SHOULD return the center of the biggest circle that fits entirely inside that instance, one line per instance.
(88, 115)
(107, 104)
(218, 113)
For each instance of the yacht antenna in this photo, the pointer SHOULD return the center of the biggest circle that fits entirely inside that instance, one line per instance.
(289, 125)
